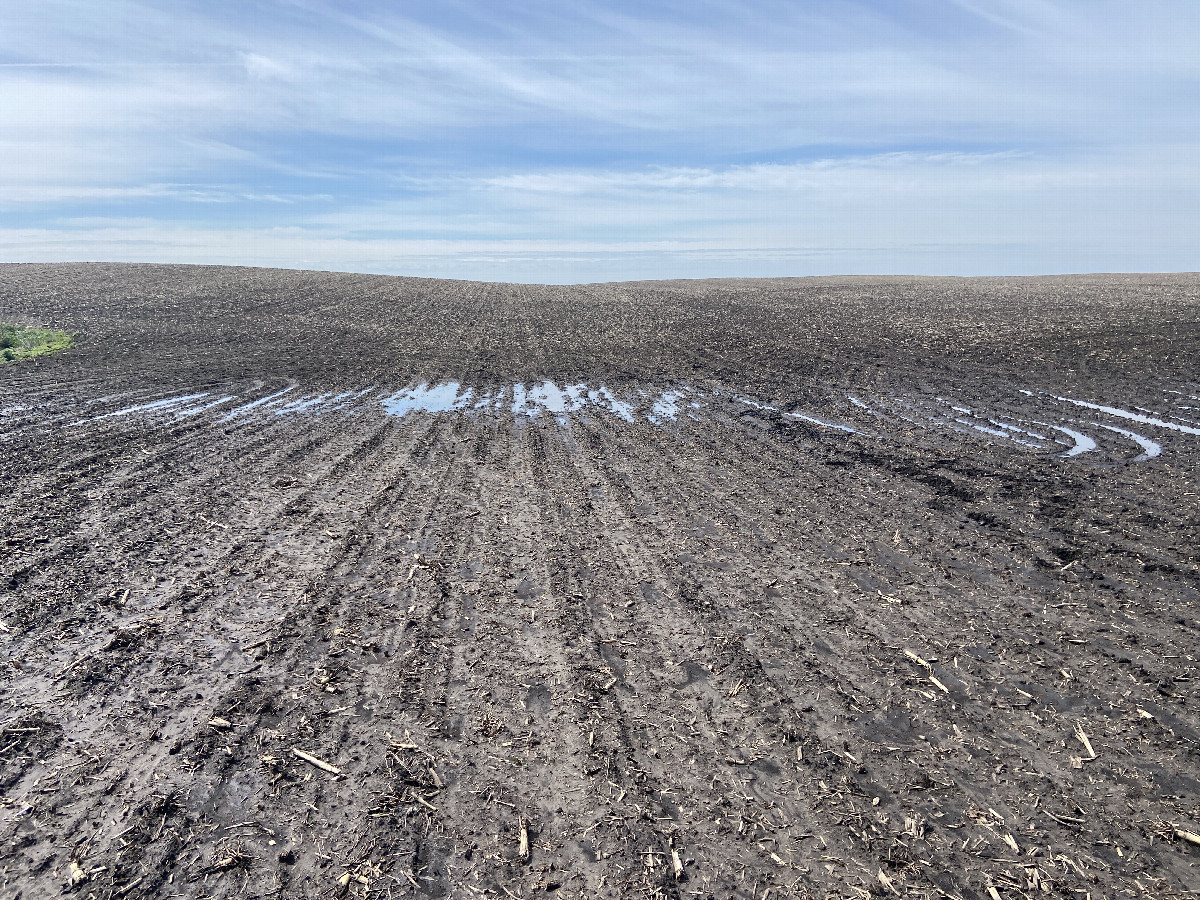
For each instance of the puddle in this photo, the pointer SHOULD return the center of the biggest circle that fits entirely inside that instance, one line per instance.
(547, 396)
(346, 400)
(1010, 427)
(519, 399)
(438, 398)
(1150, 449)
(1011, 431)
(1083, 443)
(1006, 419)
(666, 407)
(1132, 416)
(754, 403)
(269, 400)
(303, 404)
(796, 415)
(984, 428)
(604, 397)
(542, 397)
(204, 407)
(866, 407)
(153, 406)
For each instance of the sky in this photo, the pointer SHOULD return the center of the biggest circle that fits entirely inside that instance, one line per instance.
(598, 141)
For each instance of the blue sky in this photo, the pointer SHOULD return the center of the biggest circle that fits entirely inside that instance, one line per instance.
(552, 142)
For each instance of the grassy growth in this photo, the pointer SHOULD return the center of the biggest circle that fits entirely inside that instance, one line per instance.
(19, 342)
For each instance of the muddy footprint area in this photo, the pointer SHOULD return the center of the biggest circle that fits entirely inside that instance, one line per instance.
(341, 586)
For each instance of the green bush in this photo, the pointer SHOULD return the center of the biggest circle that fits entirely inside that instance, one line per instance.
(18, 342)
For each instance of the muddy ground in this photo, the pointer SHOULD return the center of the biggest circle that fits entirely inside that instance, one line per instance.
(320, 585)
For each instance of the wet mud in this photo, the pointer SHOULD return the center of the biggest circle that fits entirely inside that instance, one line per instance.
(319, 585)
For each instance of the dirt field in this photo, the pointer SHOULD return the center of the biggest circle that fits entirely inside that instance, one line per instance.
(322, 585)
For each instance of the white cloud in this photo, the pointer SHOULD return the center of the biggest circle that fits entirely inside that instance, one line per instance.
(259, 66)
(756, 177)
(394, 122)
(939, 213)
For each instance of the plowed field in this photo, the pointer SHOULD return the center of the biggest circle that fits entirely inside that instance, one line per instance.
(320, 585)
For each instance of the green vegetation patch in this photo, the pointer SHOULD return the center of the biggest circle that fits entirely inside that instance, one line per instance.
(19, 342)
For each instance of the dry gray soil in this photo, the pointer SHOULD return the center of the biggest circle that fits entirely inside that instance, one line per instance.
(320, 585)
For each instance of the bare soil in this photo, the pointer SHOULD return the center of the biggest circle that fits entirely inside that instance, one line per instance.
(861, 615)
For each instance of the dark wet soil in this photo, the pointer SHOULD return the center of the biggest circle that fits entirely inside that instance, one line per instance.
(483, 654)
